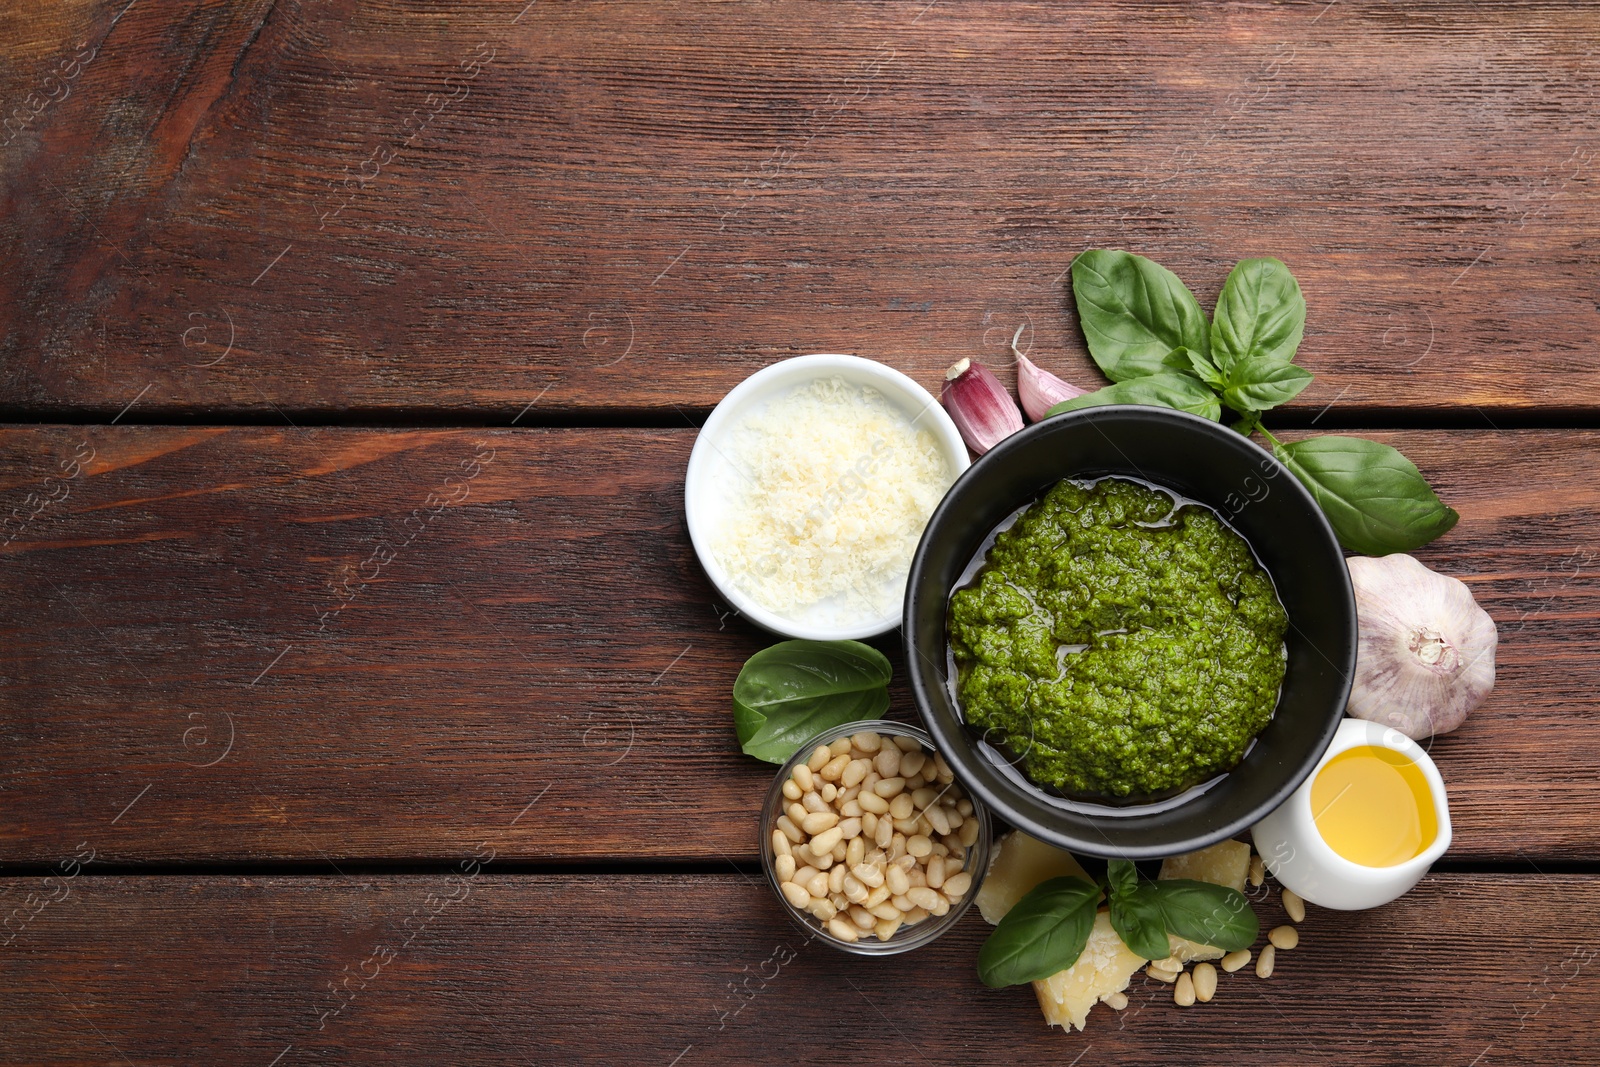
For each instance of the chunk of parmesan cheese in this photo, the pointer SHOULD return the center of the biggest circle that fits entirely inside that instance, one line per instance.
(1106, 967)
(830, 487)
(1020, 863)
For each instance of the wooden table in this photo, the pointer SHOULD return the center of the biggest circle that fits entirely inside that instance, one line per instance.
(363, 699)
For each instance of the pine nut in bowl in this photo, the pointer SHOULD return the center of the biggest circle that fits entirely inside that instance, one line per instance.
(808, 488)
(835, 847)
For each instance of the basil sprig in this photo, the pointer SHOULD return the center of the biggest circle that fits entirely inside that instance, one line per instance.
(791, 692)
(1149, 335)
(1048, 928)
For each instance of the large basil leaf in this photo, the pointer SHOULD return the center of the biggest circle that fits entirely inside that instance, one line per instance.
(1263, 382)
(1136, 912)
(1375, 498)
(791, 692)
(1044, 933)
(1168, 390)
(1260, 314)
(1133, 312)
(1209, 914)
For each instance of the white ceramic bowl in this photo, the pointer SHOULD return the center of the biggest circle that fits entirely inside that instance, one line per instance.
(1301, 860)
(710, 469)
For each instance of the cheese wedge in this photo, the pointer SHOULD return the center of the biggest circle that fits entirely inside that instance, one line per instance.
(1106, 967)
(1020, 863)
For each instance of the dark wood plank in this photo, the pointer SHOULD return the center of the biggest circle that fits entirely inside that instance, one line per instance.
(700, 969)
(631, 206)
(550, 635)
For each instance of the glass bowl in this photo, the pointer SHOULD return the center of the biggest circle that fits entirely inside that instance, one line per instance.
(907, 937)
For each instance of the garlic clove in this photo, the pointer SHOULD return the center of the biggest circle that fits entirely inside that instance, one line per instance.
(1425, 658)
(979, 405)
(1040, 390)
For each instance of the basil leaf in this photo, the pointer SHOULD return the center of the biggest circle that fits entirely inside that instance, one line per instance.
(1137, 918)
(1375, 498)
(1260, 314)
(1168, 390)
(1122, 877)
(1133, 312)
(1044, 933)
(1209, 914)
(1184, 361)
(1263, 382)
(791, 692)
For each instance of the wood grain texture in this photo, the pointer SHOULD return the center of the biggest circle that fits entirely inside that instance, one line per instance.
(400, 684)
(382, 206)
(706, 969)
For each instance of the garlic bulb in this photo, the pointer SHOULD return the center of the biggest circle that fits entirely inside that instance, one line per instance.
(979, 405)
(1425, 658)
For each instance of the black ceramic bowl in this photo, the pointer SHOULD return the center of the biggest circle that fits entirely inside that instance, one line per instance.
(1264, 502)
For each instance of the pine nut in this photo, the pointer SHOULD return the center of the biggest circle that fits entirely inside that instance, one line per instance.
(901, 806)
(850, 828)
(1295, 906)
(829, 791)
(1264, 964)
(1115, 1001)
(813, 803)
(787, 827)
(869, 876)
(780, 844)
(840, 746)
(873, 803)
(940, 849)
(823, 861)
(942, 769)
(885, 909)
(842, 930)
(910, 827)
(968, 834)
(791, 789)
(911, 763)
(1284, 937)
(1160, 975)
(867, 741)
(869, 826)
(954, 817)
(803, 778)
(815, 822)
(884, 834)
(834, 768)
(851, 809)
(1183, 992)
(903, 903)
(919, 846)
(1233, 961)
(825, 841)
(872, 779)
(836, 878)
(854, 891)
(923, 798)
(923, 897)
(783, 867)
(863, 918)
(915, 875)
(796, 895)
(838, 849)
(935, 869)
(797, 813)
(1205, 982)
(907, 744)
(887, 762)
(897, 847)
(905, 862)
(889, 787)
(916, 915)
(940, 821)
(886, 927)
(956, 886)
(818, 758)
(824, 909)
(897, 881)
(877, 897)
(855, 852)
(854, 771)
(839, 901)
(1258, 870)
(1170, 964)
(818, 886)
(965, 808)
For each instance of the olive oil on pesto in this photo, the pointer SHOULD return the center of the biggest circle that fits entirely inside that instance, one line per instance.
(1121, 645)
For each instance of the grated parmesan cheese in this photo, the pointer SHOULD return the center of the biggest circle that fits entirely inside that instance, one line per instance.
(831, 486)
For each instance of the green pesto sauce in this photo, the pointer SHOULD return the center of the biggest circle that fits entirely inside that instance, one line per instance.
(1118, 646)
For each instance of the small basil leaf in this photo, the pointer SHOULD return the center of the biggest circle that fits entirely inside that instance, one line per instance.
(1133, 312)
(1184, 361)
(791, 692)
(1043, 933)
(1263, 382)
(1122, 877)
(1169, 390)
(1137, 918)
(1208, 914)
(1260, 314)
(1375, 498)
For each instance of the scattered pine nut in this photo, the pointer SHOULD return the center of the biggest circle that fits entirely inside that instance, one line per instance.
(1115, 1001)
(1183, 992)
(1234, 961)
(1161, 976)
(1258, 870)
(1269, 956)
(1284, 937)
(1295, 906)
(1205, 982)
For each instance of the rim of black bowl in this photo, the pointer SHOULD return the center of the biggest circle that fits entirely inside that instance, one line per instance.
(1160, 833)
